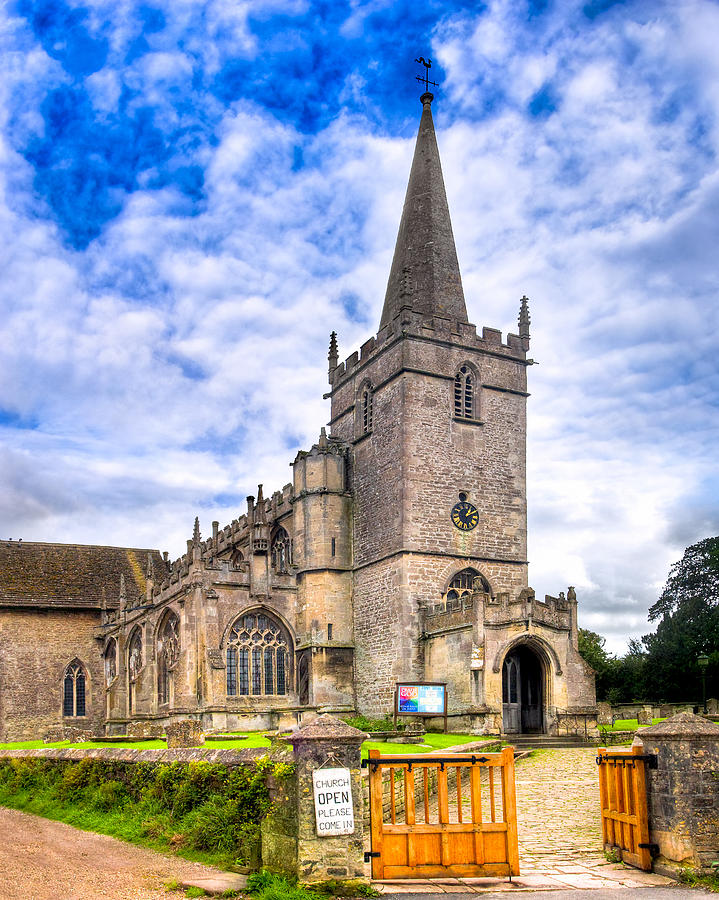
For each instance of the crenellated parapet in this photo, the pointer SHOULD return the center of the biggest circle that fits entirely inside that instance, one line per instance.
(554, 612)
(434, 328)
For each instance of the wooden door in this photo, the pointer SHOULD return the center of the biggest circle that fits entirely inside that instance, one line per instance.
(511, 695)
(443, 816)
(623, 798)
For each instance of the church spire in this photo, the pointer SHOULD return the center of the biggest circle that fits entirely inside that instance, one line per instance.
(425, 272)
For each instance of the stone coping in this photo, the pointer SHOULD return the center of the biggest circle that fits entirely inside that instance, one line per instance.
(684, 726)
(227, 757)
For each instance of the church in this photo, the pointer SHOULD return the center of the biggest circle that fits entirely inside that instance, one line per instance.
(398, 553)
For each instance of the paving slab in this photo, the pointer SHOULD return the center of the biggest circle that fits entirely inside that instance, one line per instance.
(216, 884)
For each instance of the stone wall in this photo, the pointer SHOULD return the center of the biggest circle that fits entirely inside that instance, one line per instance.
(683, 791)
(36, 646)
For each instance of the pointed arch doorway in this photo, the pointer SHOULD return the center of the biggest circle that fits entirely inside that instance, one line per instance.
(522, 692)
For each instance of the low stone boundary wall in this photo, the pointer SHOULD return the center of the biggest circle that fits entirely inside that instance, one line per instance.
(290, 840)
(225, 757)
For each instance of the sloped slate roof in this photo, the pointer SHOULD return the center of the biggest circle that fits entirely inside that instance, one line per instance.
(74, 575)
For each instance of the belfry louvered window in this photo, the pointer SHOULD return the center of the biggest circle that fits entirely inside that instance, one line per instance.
(367, 409)
(258, 654)
(73, 701)
(464, 387)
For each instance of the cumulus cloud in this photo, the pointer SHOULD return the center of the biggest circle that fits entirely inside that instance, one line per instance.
(195, 194)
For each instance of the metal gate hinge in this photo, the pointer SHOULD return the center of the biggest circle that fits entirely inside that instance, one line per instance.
(370, 854)
(650, 759)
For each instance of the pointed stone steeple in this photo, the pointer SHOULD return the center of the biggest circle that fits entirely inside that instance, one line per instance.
(425, 272)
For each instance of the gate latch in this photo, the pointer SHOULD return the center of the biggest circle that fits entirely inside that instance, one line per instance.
(370, 854)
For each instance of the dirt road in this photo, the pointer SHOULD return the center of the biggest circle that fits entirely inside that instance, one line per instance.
(43, 860)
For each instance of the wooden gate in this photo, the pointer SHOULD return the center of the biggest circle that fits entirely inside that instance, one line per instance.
(435, 816)
(623, 797)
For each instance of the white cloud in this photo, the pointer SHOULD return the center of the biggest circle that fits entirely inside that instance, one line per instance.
(180, 360)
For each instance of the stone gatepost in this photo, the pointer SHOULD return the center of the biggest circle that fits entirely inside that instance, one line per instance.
(683, 791)
(296, 839)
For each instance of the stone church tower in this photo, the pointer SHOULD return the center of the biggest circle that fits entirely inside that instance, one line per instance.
(397, 553)
(435, 416)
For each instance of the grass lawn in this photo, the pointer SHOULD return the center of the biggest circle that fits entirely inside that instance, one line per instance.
(626, 725)
(258, 739)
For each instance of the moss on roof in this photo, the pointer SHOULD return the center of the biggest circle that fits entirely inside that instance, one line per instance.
(73, 574)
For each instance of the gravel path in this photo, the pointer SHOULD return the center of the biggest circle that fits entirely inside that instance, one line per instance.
(45, 860)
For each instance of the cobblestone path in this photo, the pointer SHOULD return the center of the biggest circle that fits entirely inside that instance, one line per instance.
(558, 804)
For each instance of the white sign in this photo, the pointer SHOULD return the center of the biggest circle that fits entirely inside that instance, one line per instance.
(334, 813)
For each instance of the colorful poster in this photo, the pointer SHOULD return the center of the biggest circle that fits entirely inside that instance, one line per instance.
(408, 698)
(420, 699)
(431, 698)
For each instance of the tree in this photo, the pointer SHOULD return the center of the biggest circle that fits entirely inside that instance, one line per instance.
(688, 609)
(618, 680)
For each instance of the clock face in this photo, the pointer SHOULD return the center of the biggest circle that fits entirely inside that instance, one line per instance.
(465, 516)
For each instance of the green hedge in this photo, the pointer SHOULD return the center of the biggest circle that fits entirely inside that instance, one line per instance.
(199, 809)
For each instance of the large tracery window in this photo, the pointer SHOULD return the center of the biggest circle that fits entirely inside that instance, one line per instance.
(73, 700)
(134, 664)
(464, 390)
(168, 652)
(281, 551)
(258, 654)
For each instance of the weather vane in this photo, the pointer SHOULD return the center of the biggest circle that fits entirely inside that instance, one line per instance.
(425, 78)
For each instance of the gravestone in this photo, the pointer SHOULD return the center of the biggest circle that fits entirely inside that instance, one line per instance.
(604, 713)
(644, 715)
(185, 733)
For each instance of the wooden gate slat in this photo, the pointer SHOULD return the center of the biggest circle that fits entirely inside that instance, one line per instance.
(623, 799)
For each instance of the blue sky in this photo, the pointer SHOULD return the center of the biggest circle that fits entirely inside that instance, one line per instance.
(195, 193)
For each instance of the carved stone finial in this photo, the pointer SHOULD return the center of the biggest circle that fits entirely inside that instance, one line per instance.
(524, 321)
(571, 594)
(196, 533)
(260, 515)
(322, 444)
(123, 592)
(333, 355)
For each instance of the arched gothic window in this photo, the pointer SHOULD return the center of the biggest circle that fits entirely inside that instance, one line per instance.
(463, 584)
(281, 551)
(73, 700)
(366, 408)
(110, 661)
(168, 652)
(258, 656)
(237, 558)
(464, 391)
(134, 664)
